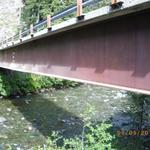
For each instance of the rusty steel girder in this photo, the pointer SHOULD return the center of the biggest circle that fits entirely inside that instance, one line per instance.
(114, 53)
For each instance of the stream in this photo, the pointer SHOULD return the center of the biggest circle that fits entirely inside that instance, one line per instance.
(27, 121)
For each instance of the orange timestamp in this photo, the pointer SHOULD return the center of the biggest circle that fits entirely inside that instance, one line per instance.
(121, 133)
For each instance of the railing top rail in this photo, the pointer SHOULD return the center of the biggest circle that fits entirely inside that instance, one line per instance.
(67, 11)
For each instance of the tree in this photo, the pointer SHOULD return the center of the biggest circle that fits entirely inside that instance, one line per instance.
(36, 10)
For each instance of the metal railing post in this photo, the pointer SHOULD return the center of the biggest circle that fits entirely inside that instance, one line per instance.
(1, 45)
(12, 40)
(6, 42)
(31, 30)
(80, 15)
(116, 4)
(20, 35)
(113, 1)
(49, 22)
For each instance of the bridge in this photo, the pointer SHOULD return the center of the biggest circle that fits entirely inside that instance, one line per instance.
(109, 46)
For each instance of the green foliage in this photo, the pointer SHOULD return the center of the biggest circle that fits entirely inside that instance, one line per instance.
(104, 3)
(36, 10)
(30, 12)
(2, 86)
(16, 83)
(100, 4)
(96, 137)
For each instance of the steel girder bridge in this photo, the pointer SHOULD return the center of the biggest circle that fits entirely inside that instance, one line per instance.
(108, 46)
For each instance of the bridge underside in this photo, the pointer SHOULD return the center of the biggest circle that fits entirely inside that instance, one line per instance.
(114, 53)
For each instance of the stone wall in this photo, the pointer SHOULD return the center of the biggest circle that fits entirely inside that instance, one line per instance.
(9, 17)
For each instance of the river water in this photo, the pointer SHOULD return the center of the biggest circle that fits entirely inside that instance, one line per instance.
(26, 122)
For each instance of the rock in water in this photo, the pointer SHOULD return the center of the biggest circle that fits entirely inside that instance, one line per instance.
(9, 109)
(2, 119)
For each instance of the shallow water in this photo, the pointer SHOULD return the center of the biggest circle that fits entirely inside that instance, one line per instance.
(26, 122)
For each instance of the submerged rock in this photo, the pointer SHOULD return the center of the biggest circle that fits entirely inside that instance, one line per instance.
(28, 94)
(42, 90)
(22, 118)
(24, 131)
(9, 109)
(18, 96)
(2, 119)
(66, 99)
(18, 148)
(3, 136)
(120, 95)
(121, 121)
(106, 100)
(30, 128)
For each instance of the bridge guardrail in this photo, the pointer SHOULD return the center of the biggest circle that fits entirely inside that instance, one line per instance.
(66, 12)
(44, 24)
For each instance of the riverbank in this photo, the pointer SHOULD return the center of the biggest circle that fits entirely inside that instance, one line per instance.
(16, 84)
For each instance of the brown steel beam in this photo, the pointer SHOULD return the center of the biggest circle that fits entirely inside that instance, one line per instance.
(114, 53)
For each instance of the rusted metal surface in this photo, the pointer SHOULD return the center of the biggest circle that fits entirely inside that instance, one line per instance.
(115, 52)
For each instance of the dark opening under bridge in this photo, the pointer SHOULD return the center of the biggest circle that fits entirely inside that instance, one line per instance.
(109, 47)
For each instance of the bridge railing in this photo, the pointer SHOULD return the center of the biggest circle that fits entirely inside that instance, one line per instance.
(64, 13)
(47, 23)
